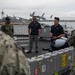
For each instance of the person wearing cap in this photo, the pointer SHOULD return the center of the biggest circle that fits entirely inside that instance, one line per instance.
(7, 27)
(34, 29)
(56, 31)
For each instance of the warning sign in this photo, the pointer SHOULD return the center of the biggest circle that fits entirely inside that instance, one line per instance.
(44, 68)
(64, 60)
(35, 72)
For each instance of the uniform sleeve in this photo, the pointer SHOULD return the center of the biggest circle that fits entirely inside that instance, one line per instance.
(62, 30)
(2, 28)
(39, 26)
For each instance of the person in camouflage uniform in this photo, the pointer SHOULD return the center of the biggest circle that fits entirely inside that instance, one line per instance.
(12, 59)
(71, 41)
(7, 27)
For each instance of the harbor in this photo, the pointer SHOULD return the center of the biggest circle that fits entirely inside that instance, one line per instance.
(37, 37)
(45, 62)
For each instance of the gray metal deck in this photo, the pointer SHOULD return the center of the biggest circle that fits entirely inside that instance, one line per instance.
(24, 42)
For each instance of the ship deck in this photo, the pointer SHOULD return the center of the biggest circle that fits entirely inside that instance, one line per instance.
(24, 42)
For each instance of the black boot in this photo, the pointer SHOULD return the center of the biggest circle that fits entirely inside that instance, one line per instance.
(29, 52)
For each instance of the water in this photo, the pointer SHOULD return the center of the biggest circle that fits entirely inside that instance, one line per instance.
(68, 24)
(23, 29)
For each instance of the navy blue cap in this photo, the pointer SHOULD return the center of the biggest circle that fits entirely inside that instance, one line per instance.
(7, 18)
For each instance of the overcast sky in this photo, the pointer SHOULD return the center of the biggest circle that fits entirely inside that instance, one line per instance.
(65, 9)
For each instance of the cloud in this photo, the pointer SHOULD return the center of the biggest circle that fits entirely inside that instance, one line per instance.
(61, 8)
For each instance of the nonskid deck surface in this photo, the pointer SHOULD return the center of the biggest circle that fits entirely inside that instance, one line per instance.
(25, 44)
(41, 44)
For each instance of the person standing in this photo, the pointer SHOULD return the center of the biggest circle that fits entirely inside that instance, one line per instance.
(34, 29)
(56, 32)
(7, 28)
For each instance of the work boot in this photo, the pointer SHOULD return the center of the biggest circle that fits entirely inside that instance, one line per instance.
(29, 52)
(44, 49)
(36, 51)
(50, 50)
